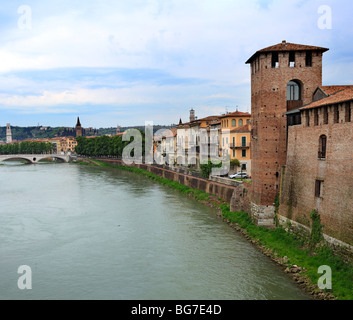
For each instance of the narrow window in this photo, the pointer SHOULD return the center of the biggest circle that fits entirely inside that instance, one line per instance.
(325, 115)
(292, 59)
(293, 91)
(233, 141)
(307, 118)
(348, 114)
(316, 117)
(336, 115)
(275, 63)
(233, 153)
(309, 59)
(322, 147)
(243, 153)
(234, 123)
(243, 166)
(243, 141)
(240, 123)
(318, 188)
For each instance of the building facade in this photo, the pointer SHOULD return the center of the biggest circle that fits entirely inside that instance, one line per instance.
(237, 144)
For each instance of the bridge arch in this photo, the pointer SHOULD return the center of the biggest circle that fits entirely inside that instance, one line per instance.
(52, 157)
(35, 158)
(13, 158)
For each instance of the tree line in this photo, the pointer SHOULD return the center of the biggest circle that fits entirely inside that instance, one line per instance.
(105, 146)
(26, 147)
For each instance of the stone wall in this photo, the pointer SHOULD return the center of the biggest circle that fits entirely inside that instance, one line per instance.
(298, 195)
(192, 180)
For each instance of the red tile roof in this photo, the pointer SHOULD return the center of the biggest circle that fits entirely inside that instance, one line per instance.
(245, 128)
(329, 90)
(236, 114)
(339, 97)
(286, 46)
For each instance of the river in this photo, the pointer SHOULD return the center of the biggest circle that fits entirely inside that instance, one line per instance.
(89, 232)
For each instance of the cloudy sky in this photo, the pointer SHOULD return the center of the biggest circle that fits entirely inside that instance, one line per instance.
(126, 62)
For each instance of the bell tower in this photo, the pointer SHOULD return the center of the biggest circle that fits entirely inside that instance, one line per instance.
(8, 133)
(78, 128)
(283, 78)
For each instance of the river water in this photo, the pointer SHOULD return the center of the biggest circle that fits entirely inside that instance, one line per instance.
(88, 232)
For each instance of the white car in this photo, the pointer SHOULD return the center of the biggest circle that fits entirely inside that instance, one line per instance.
(239, 175)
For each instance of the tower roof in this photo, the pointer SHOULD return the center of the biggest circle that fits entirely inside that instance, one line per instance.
(285, 46)
(78, 122)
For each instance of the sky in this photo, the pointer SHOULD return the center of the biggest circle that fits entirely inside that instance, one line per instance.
(119, 62)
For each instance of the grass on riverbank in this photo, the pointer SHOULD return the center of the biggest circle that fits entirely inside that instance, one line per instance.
(282, 243)
(195, 193)
(287, 245)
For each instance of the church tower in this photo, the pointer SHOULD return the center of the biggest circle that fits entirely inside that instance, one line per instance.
(8, 133)
(78, 128)
(192, 115)
(283, 78)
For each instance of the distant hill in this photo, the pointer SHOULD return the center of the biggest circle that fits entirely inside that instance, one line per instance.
(42, 132)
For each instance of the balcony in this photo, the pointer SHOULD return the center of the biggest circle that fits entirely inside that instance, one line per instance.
(294, 104)
(233, 146)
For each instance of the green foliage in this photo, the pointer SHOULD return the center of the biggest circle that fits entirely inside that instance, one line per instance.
(104, 146)
(206, 169)
(286, 244)
(26, 147)
(316, 235)
(195, 193)
(235, 163)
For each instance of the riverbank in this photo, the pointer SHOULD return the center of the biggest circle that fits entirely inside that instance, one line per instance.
(295, 256)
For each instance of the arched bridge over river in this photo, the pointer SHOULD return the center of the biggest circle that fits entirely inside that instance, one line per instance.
(35, 158)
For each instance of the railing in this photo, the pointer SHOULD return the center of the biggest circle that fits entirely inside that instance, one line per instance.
(234, 146)
(294, 104)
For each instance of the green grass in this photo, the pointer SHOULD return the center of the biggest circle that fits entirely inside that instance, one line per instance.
(278, 240)
(194, 193)
(286, 244)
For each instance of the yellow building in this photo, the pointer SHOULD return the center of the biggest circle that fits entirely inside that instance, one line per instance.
(237, 143)
(64, 144)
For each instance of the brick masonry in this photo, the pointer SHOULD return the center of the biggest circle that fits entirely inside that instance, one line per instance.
(303, 169)
(268, 105)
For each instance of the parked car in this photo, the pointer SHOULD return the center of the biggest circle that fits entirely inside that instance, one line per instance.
(239, 175)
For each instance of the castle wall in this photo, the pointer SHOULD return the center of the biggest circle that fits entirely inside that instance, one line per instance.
(299, 194)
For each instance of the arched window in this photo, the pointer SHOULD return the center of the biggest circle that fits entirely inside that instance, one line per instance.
(322, 147)
(234, 123)
(293, 91)
(240, 123)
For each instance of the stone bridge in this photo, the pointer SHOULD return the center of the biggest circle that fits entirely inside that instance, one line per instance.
(34, 158)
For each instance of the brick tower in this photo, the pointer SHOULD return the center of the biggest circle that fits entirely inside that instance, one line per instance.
(78, 128)
(283, 78)
(8, 133)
